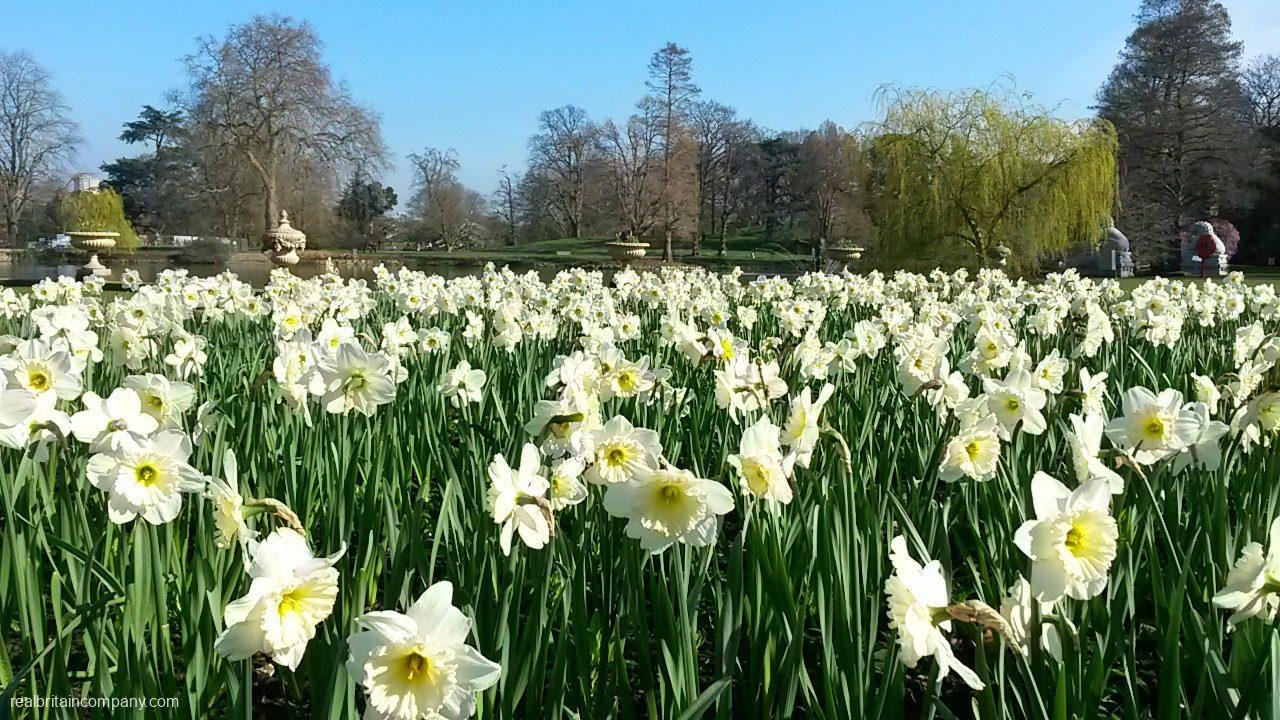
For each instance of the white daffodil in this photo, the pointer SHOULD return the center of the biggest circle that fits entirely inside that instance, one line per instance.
(1016, 400)
(417, 664)
(1203, 451)
(1085, 440)
(163, 399)
(147, 480)
(228, 506)
(1153, 427)
(917, 599)
(621, 452)
(114, 424)
(762, 469)
(41, 367)
(1016, 609)
(567, 488)
(516, 497)
(667, 506)
(974, 452)
(1071, 541)
(801, 432)
(291, 592)
(1093, 389)
(1253, 583)
(462, 384)
(352, 379)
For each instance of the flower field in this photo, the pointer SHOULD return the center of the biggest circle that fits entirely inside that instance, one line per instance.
(674, 495)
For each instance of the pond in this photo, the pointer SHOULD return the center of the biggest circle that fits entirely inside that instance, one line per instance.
(249, 267)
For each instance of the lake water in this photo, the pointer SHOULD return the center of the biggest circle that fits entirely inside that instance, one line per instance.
(251, 269)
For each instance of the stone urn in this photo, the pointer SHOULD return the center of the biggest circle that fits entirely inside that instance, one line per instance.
(93, 242)
(844, 255)
(282, 243)
(625, 246)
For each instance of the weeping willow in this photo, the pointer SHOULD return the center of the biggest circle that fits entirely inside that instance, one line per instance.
(961, 177)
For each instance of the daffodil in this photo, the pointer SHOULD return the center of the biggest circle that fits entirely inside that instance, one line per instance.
(666, 506)
(291, 591)
(146, 480)
(620, 452)
(1253, 584)
(1071, 541)
(1153, 427)
(917, 610)
(116, 423)
(517, 497)
(417, 664)
(762, 470)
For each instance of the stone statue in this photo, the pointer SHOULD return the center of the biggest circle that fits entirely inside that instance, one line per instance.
(1203, 252)
(1111, 258)
(1114, 256)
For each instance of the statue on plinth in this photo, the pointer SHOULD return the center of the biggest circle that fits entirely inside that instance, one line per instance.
(1203, 252)
(1114, 257)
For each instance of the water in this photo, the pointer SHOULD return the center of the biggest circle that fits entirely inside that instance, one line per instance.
(251, 268)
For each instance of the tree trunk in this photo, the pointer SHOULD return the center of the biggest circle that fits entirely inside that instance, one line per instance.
(724, 239)
(668, 253)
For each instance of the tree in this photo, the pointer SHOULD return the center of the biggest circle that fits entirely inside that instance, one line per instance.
(153, 126)
(1261, 84)
(506, 202)
(633, 170)
(1180, 115)
(1261, 223)
(671, 82)
(37, 138)
(157, 186)
(363, 204)
(265, 91)
(720, 138)
(559, 152)
(448, 210)
(97, 210)
(827, 183)
(967, 172)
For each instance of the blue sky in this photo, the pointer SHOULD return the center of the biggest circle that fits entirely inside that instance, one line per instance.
(474, 76)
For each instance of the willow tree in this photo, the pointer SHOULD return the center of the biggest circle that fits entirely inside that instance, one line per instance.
(969, 172)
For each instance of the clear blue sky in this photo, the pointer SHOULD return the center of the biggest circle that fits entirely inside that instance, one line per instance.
(474, 76)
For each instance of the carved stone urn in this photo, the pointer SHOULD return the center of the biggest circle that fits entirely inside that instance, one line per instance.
(844, 255)
(93, 241)
(282, 243)
(625, 246)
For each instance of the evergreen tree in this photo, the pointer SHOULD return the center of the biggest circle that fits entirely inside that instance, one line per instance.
(1181, 118)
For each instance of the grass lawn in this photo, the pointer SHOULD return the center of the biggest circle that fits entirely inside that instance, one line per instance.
(745, 250)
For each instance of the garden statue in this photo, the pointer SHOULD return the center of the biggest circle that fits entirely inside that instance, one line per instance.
(1203, 252)
(1114, 257)
(283, 243)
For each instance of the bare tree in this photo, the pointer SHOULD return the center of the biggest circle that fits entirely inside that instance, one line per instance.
(506, 202)
(671, 82)
(266, 91)
(36, 137)
(560, 151)
(447, 208)
(634, 168)
(1261, 84)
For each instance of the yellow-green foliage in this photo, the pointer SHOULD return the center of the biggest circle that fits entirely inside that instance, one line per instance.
(952, 176)
(97, 210)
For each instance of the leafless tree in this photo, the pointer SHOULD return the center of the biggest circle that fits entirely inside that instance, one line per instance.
(1261, 83)
(37, 139)
(506, 202)
(266, 91)
(446, 207)
(560, 152)
(634, 170)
